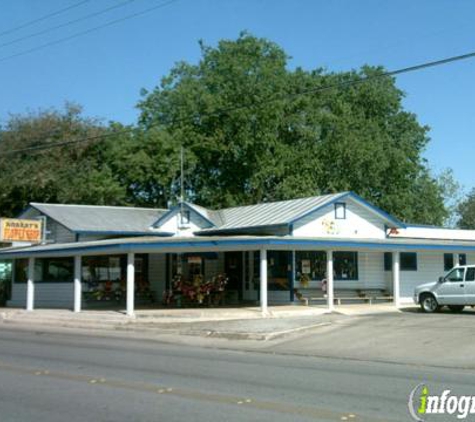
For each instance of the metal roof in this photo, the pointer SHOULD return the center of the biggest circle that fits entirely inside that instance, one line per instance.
(99, 219)
(268, 214)
(223, 243)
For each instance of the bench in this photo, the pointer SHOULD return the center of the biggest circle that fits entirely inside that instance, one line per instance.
(368, 296)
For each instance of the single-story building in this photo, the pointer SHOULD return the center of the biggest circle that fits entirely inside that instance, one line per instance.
(327, 248)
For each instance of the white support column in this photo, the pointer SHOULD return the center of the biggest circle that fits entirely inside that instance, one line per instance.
(30, 285)
(263, 277)
(130, 284)
(330, 295)
(396, 279)
(77, 284)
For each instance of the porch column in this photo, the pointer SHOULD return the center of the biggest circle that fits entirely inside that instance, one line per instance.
(396, 281)
(292, 278)
(77, 284)
(331, 305)
(130, 283)
(30, 285)
(263, 277)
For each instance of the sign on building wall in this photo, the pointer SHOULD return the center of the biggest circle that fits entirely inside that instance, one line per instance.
(16, 230)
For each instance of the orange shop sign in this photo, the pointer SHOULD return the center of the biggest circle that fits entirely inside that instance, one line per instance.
(17, 230)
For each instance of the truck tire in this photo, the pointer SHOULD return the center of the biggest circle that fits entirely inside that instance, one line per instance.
(429, 303)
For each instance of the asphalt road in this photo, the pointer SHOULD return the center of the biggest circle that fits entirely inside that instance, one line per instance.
(63, 377)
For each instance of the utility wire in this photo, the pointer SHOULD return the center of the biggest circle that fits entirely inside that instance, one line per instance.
(268, 100)
(42, 18)
(88, 31)
(63, 25)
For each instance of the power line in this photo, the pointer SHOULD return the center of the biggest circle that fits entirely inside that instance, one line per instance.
(268, 100)
(63, 25)
(42, 18)
(88, 31)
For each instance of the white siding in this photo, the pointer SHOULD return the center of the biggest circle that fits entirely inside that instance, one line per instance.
(47, 295)
(172, 224)
(359, 223)
(434, 233)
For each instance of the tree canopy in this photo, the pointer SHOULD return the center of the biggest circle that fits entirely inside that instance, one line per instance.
(466, 212)
(256, 131)
(253, 130)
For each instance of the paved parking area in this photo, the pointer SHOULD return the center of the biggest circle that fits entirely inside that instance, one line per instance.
(407, 337)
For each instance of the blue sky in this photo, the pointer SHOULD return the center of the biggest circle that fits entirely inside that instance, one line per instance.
(105, 70)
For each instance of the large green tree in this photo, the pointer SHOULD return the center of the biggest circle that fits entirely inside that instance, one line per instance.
(256, 131)
(466, 212)
(68, 174)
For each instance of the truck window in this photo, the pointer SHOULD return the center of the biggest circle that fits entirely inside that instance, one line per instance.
(470, 274)
(455, 275)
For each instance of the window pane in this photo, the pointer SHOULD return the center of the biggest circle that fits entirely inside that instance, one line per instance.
(56, 270)
(340, 210)
(455, 275)
(278, 267)
(310, 265)
(388, 261)
(470, 275)
(448, 261)
(408, 261)
(462, 259)
(21, 270)
(345, 265)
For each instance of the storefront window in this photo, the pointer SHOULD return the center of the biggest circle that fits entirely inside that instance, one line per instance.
(310, 264)
(278, 270)
(105, 278)
(188, 266)
(54, 270)
(408, 261)
(345, 265)
(96, 269)
(21, 270)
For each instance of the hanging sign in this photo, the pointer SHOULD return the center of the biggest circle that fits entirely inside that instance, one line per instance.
(18, 230)
(194, 260)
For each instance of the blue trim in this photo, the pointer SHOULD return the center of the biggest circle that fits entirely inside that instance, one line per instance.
(189, 245)
(170, 213)
(377, 210)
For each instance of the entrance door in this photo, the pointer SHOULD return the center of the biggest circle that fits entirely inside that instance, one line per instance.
(234, 272)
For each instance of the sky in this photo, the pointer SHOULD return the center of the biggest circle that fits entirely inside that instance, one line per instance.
(105, 69)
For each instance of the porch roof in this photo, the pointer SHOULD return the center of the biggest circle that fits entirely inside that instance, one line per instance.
(153, 244)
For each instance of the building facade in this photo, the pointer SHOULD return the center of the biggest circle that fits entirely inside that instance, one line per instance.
(323, 249)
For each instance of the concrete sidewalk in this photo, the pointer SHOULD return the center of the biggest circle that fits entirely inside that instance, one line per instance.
(225, 323)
